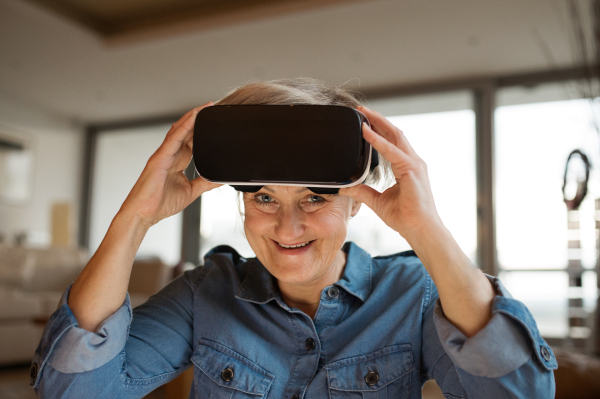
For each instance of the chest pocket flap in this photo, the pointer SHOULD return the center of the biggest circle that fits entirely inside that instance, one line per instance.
(229, 369)
(372, 371)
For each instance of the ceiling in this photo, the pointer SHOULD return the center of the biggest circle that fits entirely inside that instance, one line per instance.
(123, 20)
(81, 71)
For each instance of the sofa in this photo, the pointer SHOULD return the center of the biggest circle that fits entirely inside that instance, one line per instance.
(32, 281)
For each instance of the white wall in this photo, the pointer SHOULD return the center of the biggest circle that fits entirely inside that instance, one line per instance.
(57, 146)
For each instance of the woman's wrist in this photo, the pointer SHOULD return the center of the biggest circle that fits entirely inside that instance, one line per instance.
(465, 293)
(127, 218)
(438, 250)
(428, 236)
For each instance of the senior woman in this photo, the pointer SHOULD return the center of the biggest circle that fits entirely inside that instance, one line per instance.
(310, 316)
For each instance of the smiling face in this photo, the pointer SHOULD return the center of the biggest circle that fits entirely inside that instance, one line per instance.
(298, 234)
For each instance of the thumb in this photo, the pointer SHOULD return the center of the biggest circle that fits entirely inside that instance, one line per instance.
(361, 193)
(200, 186)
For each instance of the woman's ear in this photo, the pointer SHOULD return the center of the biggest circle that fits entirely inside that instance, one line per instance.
(355, 207)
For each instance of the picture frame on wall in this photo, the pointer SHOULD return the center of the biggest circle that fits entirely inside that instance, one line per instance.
(16, 168)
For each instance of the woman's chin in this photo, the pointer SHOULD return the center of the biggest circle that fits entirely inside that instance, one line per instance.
(292, 272)
(295, 266)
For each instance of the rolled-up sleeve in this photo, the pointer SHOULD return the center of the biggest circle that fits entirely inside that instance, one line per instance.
(506, 352)
(68, 348)
(131, 353)
(80, 350)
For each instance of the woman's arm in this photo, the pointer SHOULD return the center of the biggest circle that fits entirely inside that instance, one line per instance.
(91, 345)
(162, 190)
(506, 359)
(479, 343)
(101, 286)
(408, 207)
(465, 293)
(129, 355)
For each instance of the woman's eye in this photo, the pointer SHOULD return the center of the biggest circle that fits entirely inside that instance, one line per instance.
(263, 198)
(314, 199)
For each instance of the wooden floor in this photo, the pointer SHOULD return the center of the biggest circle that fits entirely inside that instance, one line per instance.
(14, 384)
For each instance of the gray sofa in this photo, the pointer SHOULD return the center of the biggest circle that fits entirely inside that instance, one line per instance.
(32, 282)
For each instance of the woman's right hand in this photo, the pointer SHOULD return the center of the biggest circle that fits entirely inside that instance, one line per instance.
(162, 189)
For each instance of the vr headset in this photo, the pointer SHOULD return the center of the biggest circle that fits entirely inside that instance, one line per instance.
(320, 147)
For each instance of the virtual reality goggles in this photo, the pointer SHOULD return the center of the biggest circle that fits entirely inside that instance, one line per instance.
(320, 147)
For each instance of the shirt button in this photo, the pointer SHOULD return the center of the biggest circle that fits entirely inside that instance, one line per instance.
(371, 378)
(227, 374)
(333, 292)
(310, 344)
(33, 371)
(545, 353)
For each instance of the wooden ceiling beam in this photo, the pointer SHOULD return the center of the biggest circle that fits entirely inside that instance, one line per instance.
(202, 16)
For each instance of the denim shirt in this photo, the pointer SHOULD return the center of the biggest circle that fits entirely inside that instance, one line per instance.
(379, 332)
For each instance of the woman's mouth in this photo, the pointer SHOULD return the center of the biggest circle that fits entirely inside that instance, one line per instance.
(293, 249)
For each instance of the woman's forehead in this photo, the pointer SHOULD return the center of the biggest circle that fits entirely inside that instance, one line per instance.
(292, 189)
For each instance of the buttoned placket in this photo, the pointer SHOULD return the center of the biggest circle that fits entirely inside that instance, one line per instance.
(309, 359)
(306, 343)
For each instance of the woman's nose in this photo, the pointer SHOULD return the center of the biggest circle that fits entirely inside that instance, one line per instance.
(290, 225)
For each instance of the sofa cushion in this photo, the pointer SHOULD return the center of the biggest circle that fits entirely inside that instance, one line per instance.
(15, 264)
(33, 269)
(54, 269)
(19, 305)
(18, 341)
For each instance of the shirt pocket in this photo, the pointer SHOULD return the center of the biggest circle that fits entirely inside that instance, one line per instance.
(383, 374)
(223, 373)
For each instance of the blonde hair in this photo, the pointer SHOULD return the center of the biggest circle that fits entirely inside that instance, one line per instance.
(302, 91)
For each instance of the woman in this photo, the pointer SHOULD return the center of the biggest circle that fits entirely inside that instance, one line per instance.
(310, 316)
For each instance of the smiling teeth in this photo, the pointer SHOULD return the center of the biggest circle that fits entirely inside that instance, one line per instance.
(294, 246)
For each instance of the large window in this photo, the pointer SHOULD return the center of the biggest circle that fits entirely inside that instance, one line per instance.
(120, 158)
(441, 129)
(536, 129)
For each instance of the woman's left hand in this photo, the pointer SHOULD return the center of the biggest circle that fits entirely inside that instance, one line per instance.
(407, 206)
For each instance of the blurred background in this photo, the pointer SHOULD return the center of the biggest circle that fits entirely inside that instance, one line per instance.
(494, 96)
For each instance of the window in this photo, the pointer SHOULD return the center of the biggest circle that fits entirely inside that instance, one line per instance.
(221, 222)
(121, 155)
(441, 129)
(536, 129)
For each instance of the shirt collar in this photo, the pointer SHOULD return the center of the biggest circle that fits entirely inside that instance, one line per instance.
(260, 287)
(356, 279)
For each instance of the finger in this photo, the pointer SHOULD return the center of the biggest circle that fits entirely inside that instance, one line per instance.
(188, 141)
(181, 120)
(387, 129)
(174, 140)
(388, 150)
(190, 115)
(200, 186)
(181, 159)
(187, 114)
(177, 136)
(361, 193)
